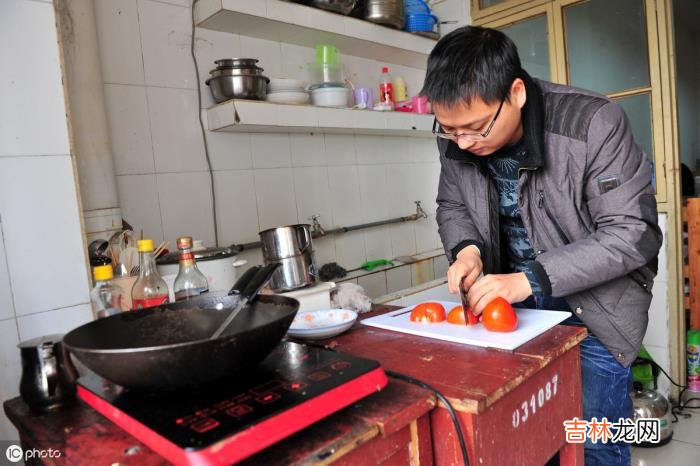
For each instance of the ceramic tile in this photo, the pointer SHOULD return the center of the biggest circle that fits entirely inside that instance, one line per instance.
(209, 46)
(236, 206)
(138, 199)
(119, 38)
(378, 243)
(374, 284)
(398, 278)
(276, 198)
(229, 151)
(268, 52)
(424, 150)
(271, 150)
(424, 178)
(166, 37)
(675, 452)
(440, 266)
(340, 149)
(177, 137)
(345, 195)
(56, 321)
(129, 129)
(401, 193)
(397, 149)
(32, 102)
(687, 429)
(422, 272)
(52, 192)
(403, 239)
(657, 329)
(427, 237)
(324, 250)
(7, 308)
(350, 250)
(370, 149)
(313, 195)
(295, 61)
(11, 370)
(186, 211)
(374, 192)
(437, 293)
(308, 150)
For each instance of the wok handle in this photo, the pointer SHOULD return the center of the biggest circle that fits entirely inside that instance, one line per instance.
(244, 280)
(263, 275)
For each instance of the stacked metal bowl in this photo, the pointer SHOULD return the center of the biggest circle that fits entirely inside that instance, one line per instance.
(237, 78)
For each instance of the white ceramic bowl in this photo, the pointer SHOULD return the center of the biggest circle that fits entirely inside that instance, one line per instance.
(330, 97)
(288, 97)
(321, 324)
(285, 84)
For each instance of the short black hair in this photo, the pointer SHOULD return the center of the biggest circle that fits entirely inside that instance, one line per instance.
(471, 62)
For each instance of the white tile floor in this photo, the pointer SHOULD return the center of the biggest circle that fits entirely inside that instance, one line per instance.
(683, 450)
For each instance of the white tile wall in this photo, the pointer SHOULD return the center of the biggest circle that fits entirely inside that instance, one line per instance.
(30, 77)
(422, 272)
(373, 284)
(185, 210)
(345, 195)
(313, 194)
(33, 213)
(140, 206)
(7, 309)
(54, 321)
(308, 150)
(440, 265)
(130, 129)
(374, 193)
(276, 200)
(350, 250)
(120, 39)
(340, 149)
(11, 370)
(398, 278)
(236, 208)
(271, 150)
(403, 239)
(378, 244)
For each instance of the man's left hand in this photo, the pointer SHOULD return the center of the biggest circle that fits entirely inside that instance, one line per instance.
(513, 287)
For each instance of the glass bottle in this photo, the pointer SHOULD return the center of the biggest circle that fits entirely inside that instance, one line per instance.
(106, 296)
(190, 282)
(150, 289)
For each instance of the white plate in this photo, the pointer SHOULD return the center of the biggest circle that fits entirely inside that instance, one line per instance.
(288, 97)
(285, 84)
(324, 323)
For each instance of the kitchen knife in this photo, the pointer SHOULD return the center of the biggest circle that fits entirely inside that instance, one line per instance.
(469, 317)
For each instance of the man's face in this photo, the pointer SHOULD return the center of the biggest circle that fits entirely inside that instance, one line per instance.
(475, 117)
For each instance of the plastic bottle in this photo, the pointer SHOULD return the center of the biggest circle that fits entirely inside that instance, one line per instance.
(386, 89)
(106, 296)
(190, 281)
(400, 93)
(150, 289)
(693, 351)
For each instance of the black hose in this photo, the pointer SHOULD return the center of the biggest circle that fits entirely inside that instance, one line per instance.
(448, 405)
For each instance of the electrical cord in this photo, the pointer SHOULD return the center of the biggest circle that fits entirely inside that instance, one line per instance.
(204, 134)
(681, 405)
(445, 401)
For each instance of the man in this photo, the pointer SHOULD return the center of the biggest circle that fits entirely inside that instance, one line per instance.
(544, 191)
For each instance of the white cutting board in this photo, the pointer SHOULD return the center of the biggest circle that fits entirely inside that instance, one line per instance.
(531, 322)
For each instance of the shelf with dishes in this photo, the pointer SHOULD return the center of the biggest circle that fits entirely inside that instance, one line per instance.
(239, 115)
(293, 23)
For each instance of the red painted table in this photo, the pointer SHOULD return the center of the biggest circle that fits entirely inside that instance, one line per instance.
(511, 405)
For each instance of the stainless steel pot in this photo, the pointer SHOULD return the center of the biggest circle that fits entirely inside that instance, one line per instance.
(387, 12)
(649, 404)
(292, 247)
(224, 88)
(343, 7)
(236, 62)
(237, 71)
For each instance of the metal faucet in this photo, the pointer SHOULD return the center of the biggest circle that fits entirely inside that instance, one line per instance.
(316, 227)
(420, 213)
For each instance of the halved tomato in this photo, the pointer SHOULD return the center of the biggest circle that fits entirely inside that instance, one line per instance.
(499, 316)
(428, 313)
(456, 316)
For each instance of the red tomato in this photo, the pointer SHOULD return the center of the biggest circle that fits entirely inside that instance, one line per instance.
(428, 313)
(456, 316)
(499, 316)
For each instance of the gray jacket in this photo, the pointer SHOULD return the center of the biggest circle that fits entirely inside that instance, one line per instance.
(586, 202)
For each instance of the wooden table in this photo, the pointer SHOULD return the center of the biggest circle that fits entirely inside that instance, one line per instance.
(511, 405)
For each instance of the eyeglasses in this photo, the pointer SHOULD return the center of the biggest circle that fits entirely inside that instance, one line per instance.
(439, 132)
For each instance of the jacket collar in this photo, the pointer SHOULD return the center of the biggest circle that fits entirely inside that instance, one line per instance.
(533, 124)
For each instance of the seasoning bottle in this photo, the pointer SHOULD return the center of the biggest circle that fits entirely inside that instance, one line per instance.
(400, 92)
(106, 296)
(386, 89)
(150, 289)
(190, 281)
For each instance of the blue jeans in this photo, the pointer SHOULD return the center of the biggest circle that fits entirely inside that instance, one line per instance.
(606, 386)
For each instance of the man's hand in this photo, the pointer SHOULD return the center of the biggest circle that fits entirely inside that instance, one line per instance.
(513, 287)
(469, 265)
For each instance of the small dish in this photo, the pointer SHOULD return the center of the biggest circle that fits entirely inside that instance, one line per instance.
(288, 97)
(326, 323)
(285, 84)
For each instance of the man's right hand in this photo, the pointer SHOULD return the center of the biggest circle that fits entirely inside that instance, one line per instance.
(467, 264)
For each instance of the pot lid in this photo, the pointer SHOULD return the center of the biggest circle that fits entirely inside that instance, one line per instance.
(201, 255)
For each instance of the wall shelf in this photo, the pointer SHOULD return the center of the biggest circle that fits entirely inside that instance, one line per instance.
(265, 117)
(293, 23)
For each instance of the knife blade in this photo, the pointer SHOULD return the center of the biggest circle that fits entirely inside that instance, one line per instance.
(469, 317)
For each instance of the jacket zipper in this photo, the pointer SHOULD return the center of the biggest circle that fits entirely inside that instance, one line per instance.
(542, 203)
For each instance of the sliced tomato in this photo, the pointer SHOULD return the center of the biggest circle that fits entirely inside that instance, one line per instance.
(456, 316)
(428, 313)
(499, 316)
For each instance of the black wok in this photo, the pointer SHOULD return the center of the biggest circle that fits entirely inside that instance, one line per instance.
(168, 347)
